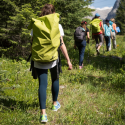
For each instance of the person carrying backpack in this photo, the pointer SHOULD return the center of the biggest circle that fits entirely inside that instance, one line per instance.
(97, 31)
(112, 22)
(108, 33)
(46, 33)
(80, 41)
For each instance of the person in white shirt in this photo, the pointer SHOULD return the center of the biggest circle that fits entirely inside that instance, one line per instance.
(42, 71)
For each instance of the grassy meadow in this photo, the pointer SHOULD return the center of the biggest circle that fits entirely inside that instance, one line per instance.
(93, 95)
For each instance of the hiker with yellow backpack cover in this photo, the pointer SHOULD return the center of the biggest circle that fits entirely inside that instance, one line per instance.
(46, 33)
(97, 31)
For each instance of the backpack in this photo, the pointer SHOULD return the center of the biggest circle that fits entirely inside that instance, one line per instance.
(79, 34)
(118, 29)
(95, 25)
(46, 38)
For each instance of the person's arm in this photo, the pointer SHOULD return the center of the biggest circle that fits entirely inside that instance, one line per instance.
(115, 28)
(88, 37)
(65, 53)
(31, 34)
(87, 30)
(103, 30)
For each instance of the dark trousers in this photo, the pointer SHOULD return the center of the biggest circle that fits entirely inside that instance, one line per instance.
(107, 39)
(81, 46)
(98, 39)
(42, 76)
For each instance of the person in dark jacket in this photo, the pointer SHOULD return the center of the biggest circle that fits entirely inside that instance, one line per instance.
(82, 45)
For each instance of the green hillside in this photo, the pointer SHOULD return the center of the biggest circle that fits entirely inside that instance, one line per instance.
(93, 95)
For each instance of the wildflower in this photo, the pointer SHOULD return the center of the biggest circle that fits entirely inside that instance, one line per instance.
(117, 45)
(101, 113)
(110, 108)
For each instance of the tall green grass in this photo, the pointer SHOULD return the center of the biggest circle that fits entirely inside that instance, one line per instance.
(91, 96)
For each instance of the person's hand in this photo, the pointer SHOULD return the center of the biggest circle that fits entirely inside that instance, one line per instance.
(88, 40)
(70, 65)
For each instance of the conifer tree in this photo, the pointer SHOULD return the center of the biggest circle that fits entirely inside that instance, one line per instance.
(14, 35)
(19, 34)
(7, 9)
(120, 16)
(72, 13)
(16, 14)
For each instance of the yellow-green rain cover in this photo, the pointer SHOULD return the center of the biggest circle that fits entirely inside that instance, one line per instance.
(95, 25)
(46, 37)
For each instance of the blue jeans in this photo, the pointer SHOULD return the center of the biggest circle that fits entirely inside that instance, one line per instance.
(107, 39)
(81, 46)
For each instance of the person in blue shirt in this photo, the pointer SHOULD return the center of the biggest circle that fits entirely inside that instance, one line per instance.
(107, 33)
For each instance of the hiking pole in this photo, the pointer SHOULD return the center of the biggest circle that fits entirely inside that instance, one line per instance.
(103, 44)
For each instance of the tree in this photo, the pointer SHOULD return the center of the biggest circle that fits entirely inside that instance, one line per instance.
(120, 16)
(5, 14)
(72, 13)
(16, 14)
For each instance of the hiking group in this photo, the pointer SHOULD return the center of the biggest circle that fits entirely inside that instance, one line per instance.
(102, 31)
(47, 41)
(99, 31)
